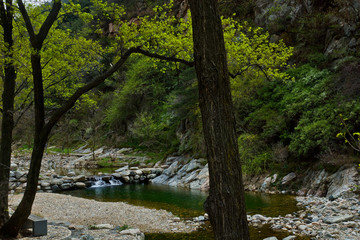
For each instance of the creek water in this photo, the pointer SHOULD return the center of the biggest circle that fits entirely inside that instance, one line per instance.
(188, 204)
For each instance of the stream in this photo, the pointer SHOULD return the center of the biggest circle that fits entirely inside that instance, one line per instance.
(187, 204)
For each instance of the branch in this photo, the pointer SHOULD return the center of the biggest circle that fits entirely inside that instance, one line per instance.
(169, 59)
(247, 67)
(49, 21)
(100, 79)
(27, 21)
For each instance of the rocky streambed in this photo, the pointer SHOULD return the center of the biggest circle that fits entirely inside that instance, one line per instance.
(330, 201)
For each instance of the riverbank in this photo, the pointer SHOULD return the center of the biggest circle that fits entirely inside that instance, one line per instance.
(86, 212)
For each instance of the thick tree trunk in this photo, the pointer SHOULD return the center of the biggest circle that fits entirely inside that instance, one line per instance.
(226, 203)
(6, 16)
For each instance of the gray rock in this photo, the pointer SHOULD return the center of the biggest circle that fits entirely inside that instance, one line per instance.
(292, 237)
(338, 219)
(162, 179)
(125, 168)
(65, 186)
(193, 165)
(80, 185)
(172, 169)
(288, 178)
(56, 181)
(13, 166)
(302, 227)
(87, 237)
(45, 184)
(103, 226)
(80, 178)
(55, 188)
(130, 232)
(266, 184)
(270, 238)
(18, 175)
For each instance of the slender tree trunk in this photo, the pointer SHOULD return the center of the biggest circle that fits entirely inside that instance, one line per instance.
(226, 203)
(17, 220)
(6, 18)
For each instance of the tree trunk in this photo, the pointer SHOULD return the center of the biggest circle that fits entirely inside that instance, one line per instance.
(6, 17)
(226, 203)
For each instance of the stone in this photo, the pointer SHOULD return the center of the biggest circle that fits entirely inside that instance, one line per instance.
(55, 188)
(270, 238)
(80, 178)
(80, 185)
(103, 226)
(134, 231)
(65, 186)
(56, 181)
(139, 172)
(266, 184)
(288, 178)
(134, 168)
(87, 237)
(172, 169)
(125, 168)
(151, 176)
(19, 175)
(338, 219)
(13, 166)
(292, 237)
(45, 184)
(302, 227)
(193, 165)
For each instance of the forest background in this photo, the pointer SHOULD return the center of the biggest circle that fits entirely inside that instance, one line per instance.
(295, 82)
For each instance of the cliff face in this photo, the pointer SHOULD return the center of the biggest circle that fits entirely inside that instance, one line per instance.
(329, 27)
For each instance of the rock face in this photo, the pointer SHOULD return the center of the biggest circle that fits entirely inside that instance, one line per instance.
(192, 175)
(279, 17)
(318, 183)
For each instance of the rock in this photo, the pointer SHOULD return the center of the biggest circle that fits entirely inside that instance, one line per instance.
(55, 188)
(80, 185)
(162, 179)
(116, 175)
(266, 184)
(19, 175)
(134, 168)
(342, 181)
(172, 169)
(288, 178)
(134, 231)
(13, 166)
(338, 219)
(87, 237)
(270, 238)
(103, 226)
(139, 172)
(80, 178)
(125, 168)
(193, 165)
(292, 237)
(65, 186)
(302, 227)
(274, 178)
(56, 182)
(45, 184)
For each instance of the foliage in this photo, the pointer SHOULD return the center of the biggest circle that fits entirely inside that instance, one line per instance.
(254, 154)
(301, 114)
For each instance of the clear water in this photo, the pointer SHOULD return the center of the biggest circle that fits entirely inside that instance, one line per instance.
(189, 203)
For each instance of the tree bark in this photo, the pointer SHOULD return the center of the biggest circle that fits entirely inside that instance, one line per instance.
(226, 203)
(6, 21)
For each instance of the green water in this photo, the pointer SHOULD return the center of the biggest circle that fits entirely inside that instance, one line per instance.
(189, 203)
